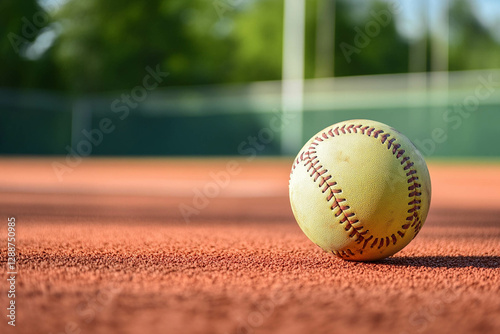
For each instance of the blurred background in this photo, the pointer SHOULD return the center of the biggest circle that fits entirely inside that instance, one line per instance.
(245, 77)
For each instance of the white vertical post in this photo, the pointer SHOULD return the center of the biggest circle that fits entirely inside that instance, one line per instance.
(417, 66)
(292, 89)
(417, 61)
(439, 79)
(440, 40)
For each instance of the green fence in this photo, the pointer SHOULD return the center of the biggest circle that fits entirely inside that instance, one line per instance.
(445, 114)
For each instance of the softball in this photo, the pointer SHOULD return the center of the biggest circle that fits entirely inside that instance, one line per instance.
(360, 190)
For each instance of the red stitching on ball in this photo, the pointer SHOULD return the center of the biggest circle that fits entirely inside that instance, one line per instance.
(390, 142)
(317, 173)
(384, 138)
(395, 148)
(376, 133)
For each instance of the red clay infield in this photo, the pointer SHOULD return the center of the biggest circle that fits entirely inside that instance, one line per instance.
(106, 250)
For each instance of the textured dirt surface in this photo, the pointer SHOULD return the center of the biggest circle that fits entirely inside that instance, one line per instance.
(107, 250)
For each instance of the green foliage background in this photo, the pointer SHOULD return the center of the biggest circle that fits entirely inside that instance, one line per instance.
(105, 45)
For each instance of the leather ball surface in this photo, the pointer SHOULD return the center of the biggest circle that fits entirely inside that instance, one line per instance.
(360, 190)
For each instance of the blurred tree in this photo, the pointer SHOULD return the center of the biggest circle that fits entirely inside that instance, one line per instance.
(472, 45)
(258, 41)
(22, 23)
(369, 44)
(107, 45)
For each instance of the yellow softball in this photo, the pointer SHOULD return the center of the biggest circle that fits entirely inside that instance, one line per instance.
(360, 190)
